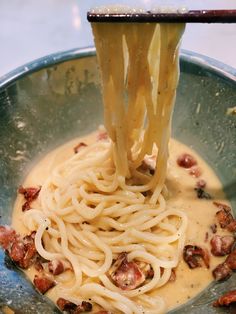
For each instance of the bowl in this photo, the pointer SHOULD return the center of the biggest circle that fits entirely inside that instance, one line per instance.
(56, 98)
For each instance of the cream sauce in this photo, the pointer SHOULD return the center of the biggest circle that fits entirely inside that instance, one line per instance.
(200, 212)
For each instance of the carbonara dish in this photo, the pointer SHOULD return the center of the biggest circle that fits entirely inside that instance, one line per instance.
(99, 232)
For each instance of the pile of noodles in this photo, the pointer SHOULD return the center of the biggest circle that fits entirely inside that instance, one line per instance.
(100, 202)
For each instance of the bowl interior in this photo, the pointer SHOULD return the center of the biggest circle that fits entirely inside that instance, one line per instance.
(62, 100)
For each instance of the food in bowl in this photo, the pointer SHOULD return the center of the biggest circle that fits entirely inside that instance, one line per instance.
(100, 197)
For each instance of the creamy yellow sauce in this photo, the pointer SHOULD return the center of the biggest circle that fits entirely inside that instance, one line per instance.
(200, 212)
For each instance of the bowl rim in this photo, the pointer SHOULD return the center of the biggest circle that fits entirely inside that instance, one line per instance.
(218, 68)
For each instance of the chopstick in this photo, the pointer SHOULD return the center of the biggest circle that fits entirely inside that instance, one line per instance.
(192, 16)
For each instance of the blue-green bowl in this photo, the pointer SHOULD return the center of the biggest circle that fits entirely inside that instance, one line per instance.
(56, 98)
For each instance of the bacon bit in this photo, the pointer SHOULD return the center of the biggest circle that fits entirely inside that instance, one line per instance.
(172, 275)
(7, 237)
(201, 184)
(213, 228)
(73, 308)
(194, 254)
(66, 305)
(221, 246)
(30, 194)
(222, 206)
(30, 251)
(186, 161)
(226, 299)
(102, 136)
(231, 260)
(17, 252)
(38, 265)
(231, 227)
(103, 312)
(224, 218)
(56, 267)
(29, 254)
(195, 171)
(26, 206)
(43, 284)
(201, 193)
(78, 147)
(126, 275)
(221, 272)
(224, 270)
(146, 269)
(84, 307)
(206, 237)
(21, 251)
(150, 273)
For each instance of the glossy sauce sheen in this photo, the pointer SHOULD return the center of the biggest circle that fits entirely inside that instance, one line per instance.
(200, 212)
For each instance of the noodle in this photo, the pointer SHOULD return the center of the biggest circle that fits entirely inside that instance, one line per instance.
(100, 203)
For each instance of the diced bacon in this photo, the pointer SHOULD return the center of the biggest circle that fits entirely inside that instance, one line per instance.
(83, 307)
(102, 135)
(146, 269)
(17, 251)
(222, 272)
(72, 308)
(231, 227)
(222, 206)
(202, 194)
(221, 246)
(7, 236)
(231, 260)
(26, 206)
(186, 161)
(195, 171)
(30, 251)
(43, 284)
(172, 276)
(226, 299)
(66, 305)
(194, 256)
(56, 267)
(29, 238)
(213, 228)
(30, 194)
(22, 251)
(103, 312)
(224, 218)
(38, 265)
(201, 184)
(126, 275)
(78, 147)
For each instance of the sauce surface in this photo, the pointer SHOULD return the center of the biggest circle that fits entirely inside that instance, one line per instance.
(180, 184)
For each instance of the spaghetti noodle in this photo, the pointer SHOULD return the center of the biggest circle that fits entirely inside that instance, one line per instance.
(102, 204)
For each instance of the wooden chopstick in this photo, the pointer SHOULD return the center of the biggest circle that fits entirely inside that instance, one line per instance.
(192, 16)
